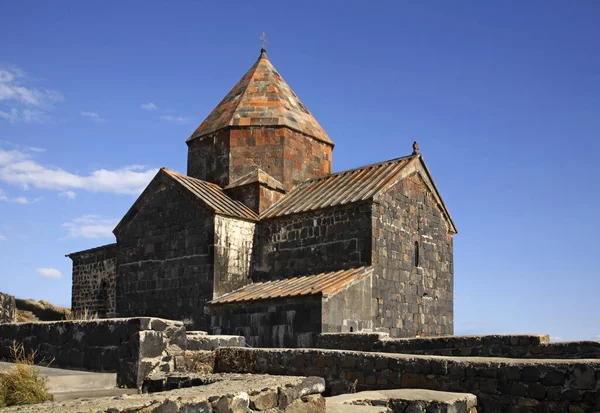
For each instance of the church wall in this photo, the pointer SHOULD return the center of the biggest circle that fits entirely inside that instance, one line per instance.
(248, 195)
(412, 299)
(166, 258)
(286, 155)
(94, 281)
(233, 252)
(262, 147)
(284, 322)
(308, 243)
(349, 310)
(304, 158)
(208, 158)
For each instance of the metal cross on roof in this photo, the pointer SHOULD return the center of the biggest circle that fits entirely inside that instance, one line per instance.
(263, 39)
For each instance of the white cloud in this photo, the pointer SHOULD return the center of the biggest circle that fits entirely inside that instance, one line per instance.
(149, 106)
(555, 338)
(175, 119)
(68, 194)
(91, 226)
(51, 273)
(19, 168)
(19, 97)
(24, 200)
(18, 200)
(34, 149)
(2, 237)
(93, 116)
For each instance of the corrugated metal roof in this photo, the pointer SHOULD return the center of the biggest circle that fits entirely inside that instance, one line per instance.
(326, 284)
(258, 175)
(213, 196)
(262, 98)
(340, 188)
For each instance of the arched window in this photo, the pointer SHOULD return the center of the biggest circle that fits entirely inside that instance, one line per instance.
(416, 256)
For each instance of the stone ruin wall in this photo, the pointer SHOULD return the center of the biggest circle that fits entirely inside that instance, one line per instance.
(7, 308)
(515, 385)
(94, 281)
(412, 299)
(131, 347)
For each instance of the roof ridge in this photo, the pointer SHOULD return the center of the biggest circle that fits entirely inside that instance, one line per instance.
(253, 69)
(356, 169)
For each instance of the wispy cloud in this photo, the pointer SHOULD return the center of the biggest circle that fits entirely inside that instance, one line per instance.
(93, 116)
(555, 338)
(18, 199)
(22, 102)
(91, 226)
(68, 194)
(176, 119)
(50, 273)
(2, 237)
(20, 168)
(149, 106)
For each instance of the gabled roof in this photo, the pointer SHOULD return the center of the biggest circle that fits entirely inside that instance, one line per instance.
(260, 176)
(211, 195)
(339, 188)
(354, 185)
(325, 284)
(262, 98)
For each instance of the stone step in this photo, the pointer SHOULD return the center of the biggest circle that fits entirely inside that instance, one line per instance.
(402, 400)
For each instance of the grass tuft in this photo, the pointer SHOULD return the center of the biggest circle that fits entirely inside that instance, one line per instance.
(22, 384)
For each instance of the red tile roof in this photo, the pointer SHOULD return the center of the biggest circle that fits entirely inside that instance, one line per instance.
(262, 98)
(325, 284)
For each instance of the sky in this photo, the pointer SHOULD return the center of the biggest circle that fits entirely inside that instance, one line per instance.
(503, 98)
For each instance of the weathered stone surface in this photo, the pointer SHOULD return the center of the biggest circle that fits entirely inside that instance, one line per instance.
(94, 281)
(517, 383)
(406, 400)
(264, 400)
(413, 257)
(7, 308)
(206, 342)
(228, 393)
(127, 346)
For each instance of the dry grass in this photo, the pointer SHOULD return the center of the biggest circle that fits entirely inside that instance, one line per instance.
(22, 384)
(85, 315)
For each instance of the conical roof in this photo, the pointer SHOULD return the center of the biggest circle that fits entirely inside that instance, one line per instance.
(262, 98)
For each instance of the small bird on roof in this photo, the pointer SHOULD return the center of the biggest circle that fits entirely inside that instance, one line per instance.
(415, 148)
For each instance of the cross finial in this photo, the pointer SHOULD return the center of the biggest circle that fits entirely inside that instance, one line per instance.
(415, 148)
(263, 39)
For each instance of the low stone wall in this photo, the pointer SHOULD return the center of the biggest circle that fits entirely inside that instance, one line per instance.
(7, 308)
(511, 346)
(199, 340)
(232, 393)
(516, 385)
(131, 347)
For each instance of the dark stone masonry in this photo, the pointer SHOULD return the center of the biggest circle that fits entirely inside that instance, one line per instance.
(131, 347)
(7, 308)
(364, 250)
(501, 385)
(94, 281)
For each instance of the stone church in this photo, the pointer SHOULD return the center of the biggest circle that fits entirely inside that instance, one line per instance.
(261, 239)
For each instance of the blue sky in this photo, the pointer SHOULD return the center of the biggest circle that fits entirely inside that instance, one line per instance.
(503, 98)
